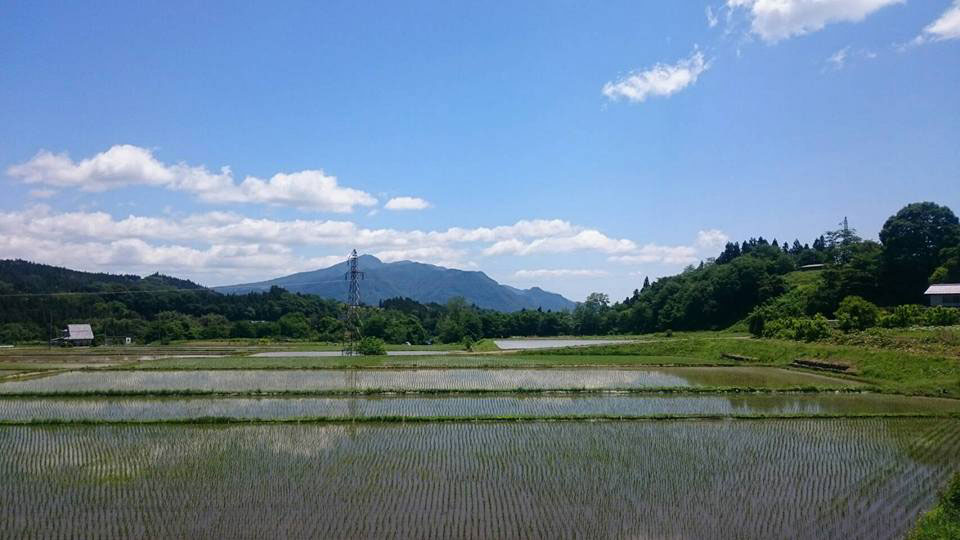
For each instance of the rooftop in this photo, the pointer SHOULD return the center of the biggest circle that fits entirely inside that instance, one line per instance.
(79, 331)
(944, 288)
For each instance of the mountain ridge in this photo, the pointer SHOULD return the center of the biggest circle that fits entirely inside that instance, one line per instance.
(422, 282)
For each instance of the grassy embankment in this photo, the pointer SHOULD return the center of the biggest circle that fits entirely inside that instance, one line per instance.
(893, 370)
(943, 521)
(900, 371)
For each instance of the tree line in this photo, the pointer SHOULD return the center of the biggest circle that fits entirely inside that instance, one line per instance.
(753, 282)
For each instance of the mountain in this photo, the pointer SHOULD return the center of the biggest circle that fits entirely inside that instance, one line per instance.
(422, 282)
(19, 276)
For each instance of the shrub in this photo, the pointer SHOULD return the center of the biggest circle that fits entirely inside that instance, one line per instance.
(371, 346)
(944, 520)
(855, 313)
(798, 328)
(941, 316)
(903, 316)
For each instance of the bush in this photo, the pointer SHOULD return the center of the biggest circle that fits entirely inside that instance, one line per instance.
(902, 316)
(944, 520)
(855, 313)
(941, 316)
(371, 346)
(798, 328)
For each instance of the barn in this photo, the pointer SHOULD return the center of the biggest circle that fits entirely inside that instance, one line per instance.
(944, 294)
(77, 334)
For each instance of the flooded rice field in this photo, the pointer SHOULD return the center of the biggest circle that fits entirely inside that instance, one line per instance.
(810, 478)
(132, 409)
(530, 344)
(420, 379)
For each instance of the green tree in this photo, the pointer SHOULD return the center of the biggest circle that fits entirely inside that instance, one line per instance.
(913, 240)
(371, 346)
(294, 325)
(855, 313)
(949, 269)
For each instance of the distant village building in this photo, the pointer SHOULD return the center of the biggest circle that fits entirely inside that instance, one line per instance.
(944, 294)
(76, 334)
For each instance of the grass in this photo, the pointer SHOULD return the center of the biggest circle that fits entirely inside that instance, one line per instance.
(943, 522)
(897, 371)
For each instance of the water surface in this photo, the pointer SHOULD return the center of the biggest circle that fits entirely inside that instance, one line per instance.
(421, 379)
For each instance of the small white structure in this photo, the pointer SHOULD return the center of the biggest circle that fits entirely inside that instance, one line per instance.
(944, 294)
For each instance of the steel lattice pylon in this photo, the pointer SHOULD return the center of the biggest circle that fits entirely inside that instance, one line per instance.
(351, 325)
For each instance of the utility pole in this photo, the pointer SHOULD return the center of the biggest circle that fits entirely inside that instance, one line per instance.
(352, 320)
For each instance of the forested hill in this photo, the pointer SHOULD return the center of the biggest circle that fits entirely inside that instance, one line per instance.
(425, 283)
(19, 276)
(758, 282)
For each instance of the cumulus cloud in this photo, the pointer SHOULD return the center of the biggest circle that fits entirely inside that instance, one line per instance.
(124, 165)
(653, 253)
(947, 26)
(559, 272)
(712, 239)
(223, 247)
(584, 240)
(661, 80)
(406, 203)
(776, 20)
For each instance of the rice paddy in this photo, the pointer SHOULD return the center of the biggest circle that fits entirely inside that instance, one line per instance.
(862, 478)
(677, 452)
(469, 407)
(416, 380)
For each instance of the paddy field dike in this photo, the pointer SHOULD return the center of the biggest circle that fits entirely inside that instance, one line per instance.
(688, 437)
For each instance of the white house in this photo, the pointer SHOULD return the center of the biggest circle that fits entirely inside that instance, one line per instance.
(944, 294)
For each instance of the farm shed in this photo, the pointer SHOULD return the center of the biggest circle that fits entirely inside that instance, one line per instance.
(78, 334)
(944, 294)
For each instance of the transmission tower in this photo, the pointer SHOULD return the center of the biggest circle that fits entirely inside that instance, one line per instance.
(352, 320)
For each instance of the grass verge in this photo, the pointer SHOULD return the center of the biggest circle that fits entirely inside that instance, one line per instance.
(943, 522)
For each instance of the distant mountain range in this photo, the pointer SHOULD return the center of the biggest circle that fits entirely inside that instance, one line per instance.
(422, 282)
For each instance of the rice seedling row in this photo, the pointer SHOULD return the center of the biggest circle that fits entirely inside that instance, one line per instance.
(420, 379)
(866, 478)
(136, 409)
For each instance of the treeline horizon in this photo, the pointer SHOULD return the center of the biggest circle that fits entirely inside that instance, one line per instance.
(918, 245)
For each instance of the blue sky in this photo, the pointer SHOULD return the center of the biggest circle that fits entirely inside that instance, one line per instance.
(575, 146)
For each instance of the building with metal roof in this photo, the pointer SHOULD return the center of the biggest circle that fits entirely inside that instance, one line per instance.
(76, 334)
(944, 294)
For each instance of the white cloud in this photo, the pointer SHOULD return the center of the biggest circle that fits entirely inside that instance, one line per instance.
(660, 80)
(124, 165)
(775, 20)
(225, 247)
(41, 193)
(584, 240)
(947, 26)
(653, 253)
(712, 239)
(406, 203)
(559, 272)
(712, 17)
(838, 59)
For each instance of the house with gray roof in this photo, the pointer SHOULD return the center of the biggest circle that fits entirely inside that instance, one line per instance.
(76, 334)
(944, 294)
